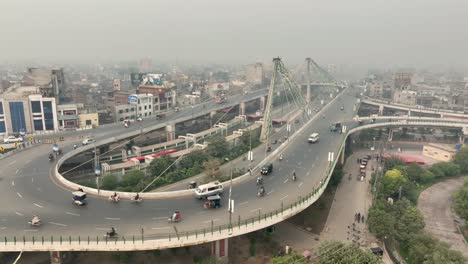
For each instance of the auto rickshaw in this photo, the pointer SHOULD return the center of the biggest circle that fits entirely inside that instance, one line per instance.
(79, 198)
(213, 202)
(192, 185)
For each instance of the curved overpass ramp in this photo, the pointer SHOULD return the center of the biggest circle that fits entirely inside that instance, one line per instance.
(28, 190)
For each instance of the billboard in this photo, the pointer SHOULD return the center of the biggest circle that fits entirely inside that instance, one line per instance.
(132, 99)
(136, 78)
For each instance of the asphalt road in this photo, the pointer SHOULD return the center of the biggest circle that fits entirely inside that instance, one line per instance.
(26, 189)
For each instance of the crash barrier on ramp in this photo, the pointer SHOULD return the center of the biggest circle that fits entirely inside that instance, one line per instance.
(20, 147)
(149, 239)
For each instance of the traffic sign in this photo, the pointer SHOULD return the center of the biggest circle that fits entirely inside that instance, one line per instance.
(16, 144)
(30, 138)
(2, 149)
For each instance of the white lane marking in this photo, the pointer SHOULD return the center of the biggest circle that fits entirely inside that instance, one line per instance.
(300, 184)
(12, 183)
(243, 203)
(209, 221)
(17, 171)
(111, 218)
(308, 173)
(268, 193)
(158, 218)
(159, 228)
(39, 189)
(38, 205)
(285, 181)
(1, 228)
(255, 210)
(32, 179)
(19, 213)
(68, 213)
(284, 197)
(100, 228)
(59, 224)
(11, 163)
(19, 194)
(203, 212)
(35, 230)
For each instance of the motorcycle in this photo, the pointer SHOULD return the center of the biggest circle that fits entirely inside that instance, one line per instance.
(51, 158)
(35, 221)
(281, 157)
(175, 218)
(137, 200)
(261, 193)
(114, 198)
(111, 234)
(259, 181)
(75, 146)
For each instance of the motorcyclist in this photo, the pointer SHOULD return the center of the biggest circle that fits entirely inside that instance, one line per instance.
(75, 146)
(35, 220)
(294, 178)
(281, 156)
(261, 191)
(259, 180)
(51, 157)
(111, 232)
(136, 197)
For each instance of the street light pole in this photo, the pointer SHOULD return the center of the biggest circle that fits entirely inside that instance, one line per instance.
(230, 201)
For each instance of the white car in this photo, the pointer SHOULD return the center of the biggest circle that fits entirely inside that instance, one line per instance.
(88, 141)
(209, 189)
(12, 139)
(313, 138)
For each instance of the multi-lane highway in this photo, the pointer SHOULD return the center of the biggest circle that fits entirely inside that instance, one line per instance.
(27, 189)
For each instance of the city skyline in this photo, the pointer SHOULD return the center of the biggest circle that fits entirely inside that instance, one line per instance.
(371, 33)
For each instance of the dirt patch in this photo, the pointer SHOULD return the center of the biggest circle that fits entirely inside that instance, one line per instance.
(314, 217)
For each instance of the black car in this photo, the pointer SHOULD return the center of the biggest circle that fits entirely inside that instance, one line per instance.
(266, 169)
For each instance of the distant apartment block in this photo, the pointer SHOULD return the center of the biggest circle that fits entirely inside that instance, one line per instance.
(402, 80)
(24, 109)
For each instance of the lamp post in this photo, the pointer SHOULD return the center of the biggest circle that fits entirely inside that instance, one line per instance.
(230, 201)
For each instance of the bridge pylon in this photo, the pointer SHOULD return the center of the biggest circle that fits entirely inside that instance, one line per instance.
(281, 81)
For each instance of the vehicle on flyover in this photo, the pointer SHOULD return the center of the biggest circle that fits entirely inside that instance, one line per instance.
(12, 139)
(212, 202)
(209, 189)
(87, 141)
(79, 198)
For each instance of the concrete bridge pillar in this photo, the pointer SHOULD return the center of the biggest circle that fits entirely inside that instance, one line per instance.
(55, 257)
(170, 132)
(262, 103)
(381, 107)
(220, 248)
(242, 108)
(342, 154)
(124, 154)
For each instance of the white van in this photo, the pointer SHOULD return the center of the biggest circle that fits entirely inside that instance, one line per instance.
(313, 138)
(209, 189)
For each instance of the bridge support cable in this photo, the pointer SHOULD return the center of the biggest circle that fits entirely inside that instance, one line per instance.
(280, 76)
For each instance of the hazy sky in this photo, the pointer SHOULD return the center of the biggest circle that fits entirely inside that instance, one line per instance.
(374, 32)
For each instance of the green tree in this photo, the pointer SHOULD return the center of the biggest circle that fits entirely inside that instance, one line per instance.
(286, 259)
(414, 172)
(409, 220)
(110, 182)
(212, 168)
(420, 246)
(442, 254)
(132, 178)
(461, 201)
(445, 169)
(392, 181)
(427, 176)
(160, 164)
(381, 222)
(392, 162)
(334, 252)
(461, 159)
(217, 147)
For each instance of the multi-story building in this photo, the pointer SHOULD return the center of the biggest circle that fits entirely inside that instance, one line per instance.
(51, 82)
(24, 109)
(404, 97)
(402, 80)
(68, 115)
(124, 112)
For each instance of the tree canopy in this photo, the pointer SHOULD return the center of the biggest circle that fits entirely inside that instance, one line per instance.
(392, 181)
(461, 159)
